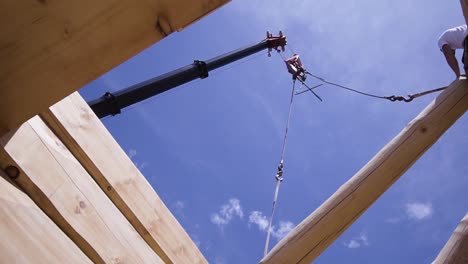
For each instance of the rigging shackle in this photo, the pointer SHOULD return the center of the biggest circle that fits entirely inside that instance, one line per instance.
(279, 173)
(394, 98)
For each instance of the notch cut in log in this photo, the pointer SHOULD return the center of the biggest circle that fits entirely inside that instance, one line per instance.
(320, 229)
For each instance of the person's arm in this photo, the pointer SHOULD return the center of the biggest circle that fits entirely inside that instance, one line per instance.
(451, 60)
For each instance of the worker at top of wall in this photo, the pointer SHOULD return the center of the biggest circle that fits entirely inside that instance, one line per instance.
(449, 41)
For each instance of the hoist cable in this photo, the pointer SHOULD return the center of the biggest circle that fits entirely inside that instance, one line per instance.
(288, 121)
(279, 174)
(344, 87)
(392, 98)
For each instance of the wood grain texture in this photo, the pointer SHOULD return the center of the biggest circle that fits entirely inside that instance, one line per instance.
(455, 250)
(64, 190)
(28, 235)
(318, 231)
(84, 134)
(50, 49)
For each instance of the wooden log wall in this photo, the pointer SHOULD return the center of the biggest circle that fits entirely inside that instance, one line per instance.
(74, 170)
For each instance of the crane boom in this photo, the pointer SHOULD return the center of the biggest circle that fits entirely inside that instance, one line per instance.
(113, 103)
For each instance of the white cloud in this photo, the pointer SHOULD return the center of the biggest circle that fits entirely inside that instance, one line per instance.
(227, 212)
(364, 240)
(358, 241)
(259, 219)
(284, 228)
(140, 165)
(179, 205)
(419, 211)
(195, 239)
(178, 208)
(414, 211)
(277, 232)
(353, 244)
(131, 153)
(218, 220)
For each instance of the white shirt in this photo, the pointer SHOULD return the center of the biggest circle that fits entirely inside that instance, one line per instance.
(453, 37)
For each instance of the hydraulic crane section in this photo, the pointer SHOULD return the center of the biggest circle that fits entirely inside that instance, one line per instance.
(112, 103)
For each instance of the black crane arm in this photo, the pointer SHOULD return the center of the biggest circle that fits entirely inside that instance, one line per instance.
(112, 103)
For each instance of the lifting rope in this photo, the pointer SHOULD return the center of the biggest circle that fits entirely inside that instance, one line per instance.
(279, 173)
(295, 67)
(392, 98)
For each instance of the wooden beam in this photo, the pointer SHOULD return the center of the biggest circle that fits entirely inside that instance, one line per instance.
(84, 134)
(50, 49)
(318, 231)
(63, 189)
(28, 235)
(456, 249)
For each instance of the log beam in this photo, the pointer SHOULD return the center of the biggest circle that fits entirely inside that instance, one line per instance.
(318, 231)
(455, 250)
(50, 49)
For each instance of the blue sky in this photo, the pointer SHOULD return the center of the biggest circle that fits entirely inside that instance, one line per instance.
(210, 148)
